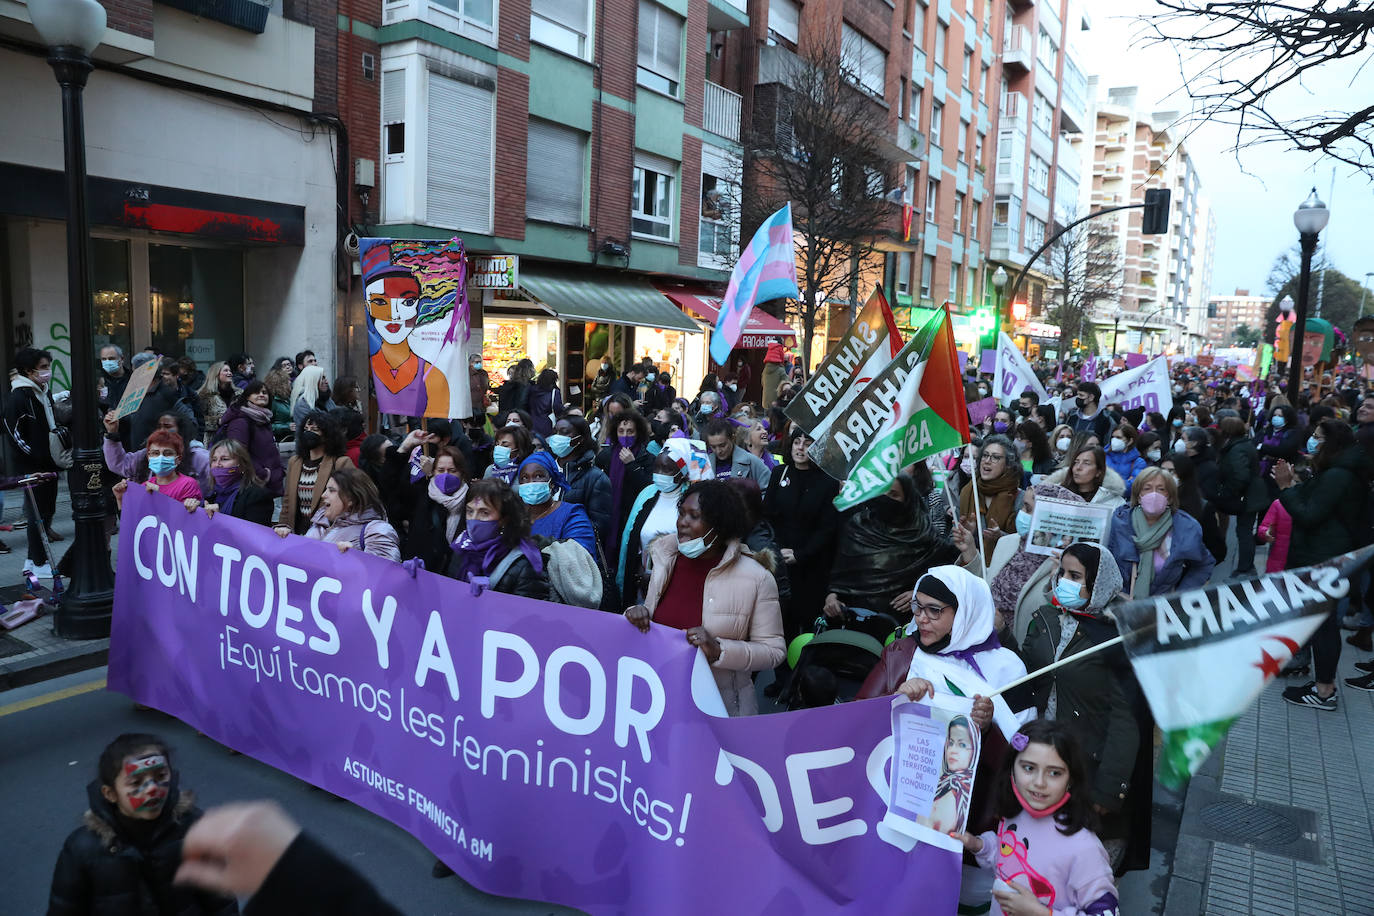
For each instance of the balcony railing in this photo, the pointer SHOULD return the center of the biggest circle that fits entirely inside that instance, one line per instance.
(721, 111)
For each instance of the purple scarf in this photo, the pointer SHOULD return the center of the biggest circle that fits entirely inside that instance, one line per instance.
(616, 469)
(969, 654)
(480, 557)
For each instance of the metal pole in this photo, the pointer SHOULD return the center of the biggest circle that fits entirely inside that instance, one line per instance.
(1309, 245)
(84, 610)
(1116, 329)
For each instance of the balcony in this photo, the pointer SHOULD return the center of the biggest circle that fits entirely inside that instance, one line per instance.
(1016, 51)
(778, 65)
(721, 112)
(1112, 140)
(1015, 107)
(1073, 95)
(1006, 244)
(724, 15)
(912, 139)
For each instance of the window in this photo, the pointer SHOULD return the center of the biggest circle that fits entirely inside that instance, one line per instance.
(978, 149)
(1046, 52)
(962, 141)
(918, 26)
(958, 212)
(865, 62)
(915, 116)
(953, 284)
(940, 34)
(937, 117)
(932, 199)
(973, 218)
(369, 66)
(110, 292)
(1043, 113)
(459, 177)
(195, 292)
(903, 274)
(1035, 233)
(651, 199)
(901, 98)
(909, 187)
(713, 235)
(969, 287)
(564, 25)
(968, 67)
(784, 18)
(660, 48)
(1039, 174)
(927, 274)
(554, 172)
(479, 11)
(1001, 211)
(394, 115)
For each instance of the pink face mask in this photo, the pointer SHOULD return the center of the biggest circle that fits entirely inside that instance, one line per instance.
(1154, 503)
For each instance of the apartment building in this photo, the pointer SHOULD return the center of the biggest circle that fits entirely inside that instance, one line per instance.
(1227, 313)
(214, 204)
(1164, 276)
(1038, 169)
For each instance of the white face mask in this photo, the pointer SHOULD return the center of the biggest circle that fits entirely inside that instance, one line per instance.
(695, 547)
(1118, 445)
(1063, 443)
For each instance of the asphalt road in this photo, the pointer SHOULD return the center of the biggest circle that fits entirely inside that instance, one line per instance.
(52, 733)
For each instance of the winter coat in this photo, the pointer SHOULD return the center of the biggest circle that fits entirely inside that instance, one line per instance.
(1099, 424)
(253, 504)
(257, 438)
(1207, 472)
(764, 540)
(740, 608)
(290, 508)
(212, 408)
(160, 400)
(1189, 564)
(302, 407)
(100, 872)
(744, 463)
(567, 521)
(512, 396)
(309, 880)
(589, 487)
(365, 530)
(126, 464)
(1111, 493)
(426, 535)
(1127, 464)
(26, 429)
(543, 402)
(520, 578)
(1280, 444)
(282, 421)
(800, 505)
(1277, 529)
(1329, 511)
(1240, 488)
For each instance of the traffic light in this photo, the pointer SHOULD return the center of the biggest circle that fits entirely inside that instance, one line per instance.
(1156, 220)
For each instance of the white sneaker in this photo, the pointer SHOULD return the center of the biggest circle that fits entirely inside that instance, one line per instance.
(42, 572)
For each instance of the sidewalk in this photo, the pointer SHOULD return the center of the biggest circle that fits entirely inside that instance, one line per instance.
(32, 652)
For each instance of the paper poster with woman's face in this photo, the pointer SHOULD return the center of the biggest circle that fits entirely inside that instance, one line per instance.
(934, 759)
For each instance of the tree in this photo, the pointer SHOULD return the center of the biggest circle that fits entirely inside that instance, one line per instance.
(1339, 294)
(817, 141)
(1242, 335)
(1245, 53)
(1085, 264)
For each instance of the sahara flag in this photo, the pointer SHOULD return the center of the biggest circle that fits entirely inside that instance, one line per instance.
(863, 351)
(1202, 656)
(766, 269)
(927, 416)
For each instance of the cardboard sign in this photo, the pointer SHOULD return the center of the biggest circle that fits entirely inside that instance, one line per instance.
(1059, 523)
(979, 411)
(136, 390)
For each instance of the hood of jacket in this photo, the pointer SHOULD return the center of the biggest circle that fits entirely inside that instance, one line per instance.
(348, 519)
(1112, 482)
(102, 817)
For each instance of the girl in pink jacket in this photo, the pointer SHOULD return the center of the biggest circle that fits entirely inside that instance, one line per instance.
(1275, 530)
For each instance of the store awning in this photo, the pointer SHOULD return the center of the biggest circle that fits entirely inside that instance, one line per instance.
(762, 329)
(602, 296)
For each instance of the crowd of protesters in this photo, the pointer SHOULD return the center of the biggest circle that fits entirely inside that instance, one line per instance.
(709, 515)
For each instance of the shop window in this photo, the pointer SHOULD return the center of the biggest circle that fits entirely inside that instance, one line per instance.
(651, 202)
(195, 294)
(554, 173)
(110, 292)
(660, 48)
(564, 25)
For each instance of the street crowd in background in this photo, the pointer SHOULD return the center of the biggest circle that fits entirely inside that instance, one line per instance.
(707, 514)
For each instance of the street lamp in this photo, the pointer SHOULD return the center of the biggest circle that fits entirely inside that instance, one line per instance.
(1310, 219)
(999, 283)
(1116, 327)
(72, 29)
(1364, 291)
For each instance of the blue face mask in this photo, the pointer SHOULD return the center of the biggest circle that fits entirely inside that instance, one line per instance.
(1069, 594)
(162, 464)
(110, 365)
(1177, 423)
(501, 455)
(1313, 443)
(1023, 522)
(560, 445)
(1278, 421)
(695, 547)
(666, 483)
(535, 493)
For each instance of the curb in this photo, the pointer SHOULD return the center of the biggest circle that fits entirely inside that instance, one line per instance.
(1187, 878)
(80, 656)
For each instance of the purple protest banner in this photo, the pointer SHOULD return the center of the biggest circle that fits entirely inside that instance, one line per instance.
(979, 411)
(963, 360)
(542, 751)
(1136, 359)
(987, 361)
(1090, 369)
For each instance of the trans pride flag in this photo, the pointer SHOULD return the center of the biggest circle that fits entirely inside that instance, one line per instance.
(766, 270)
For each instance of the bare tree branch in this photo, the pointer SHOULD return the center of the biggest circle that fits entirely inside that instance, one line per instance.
(1086, 267)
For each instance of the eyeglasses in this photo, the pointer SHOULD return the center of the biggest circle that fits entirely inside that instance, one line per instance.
(929, 611)
(993, 456)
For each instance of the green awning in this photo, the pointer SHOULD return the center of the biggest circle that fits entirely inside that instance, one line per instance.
(603, 296)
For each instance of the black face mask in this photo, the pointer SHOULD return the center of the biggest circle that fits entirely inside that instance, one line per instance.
(1082, 403)
(890, 510)
(306, 440)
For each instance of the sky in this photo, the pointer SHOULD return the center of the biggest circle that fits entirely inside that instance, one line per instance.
(1253, 192)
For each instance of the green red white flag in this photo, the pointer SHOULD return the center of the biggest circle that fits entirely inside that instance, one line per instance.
(927, 416)
(1202, 656)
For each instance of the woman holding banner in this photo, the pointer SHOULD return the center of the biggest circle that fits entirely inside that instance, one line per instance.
(1158, 547)
(495, 550)
(237, 491)
(319, 454)
(708, 584)
(1089, 477)
(248, 421)
(351, 516)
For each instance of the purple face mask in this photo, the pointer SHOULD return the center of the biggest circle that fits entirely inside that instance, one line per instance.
(225, 477)
(448, 484)
(626, 441)
(1000, 426)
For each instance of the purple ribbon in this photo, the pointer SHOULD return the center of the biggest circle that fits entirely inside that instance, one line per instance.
(992, 642)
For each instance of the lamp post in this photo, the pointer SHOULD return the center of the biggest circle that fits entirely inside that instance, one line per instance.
(1116, 327)
(1310, 219)
(999, 283)
(72, 29)
(1364, 291)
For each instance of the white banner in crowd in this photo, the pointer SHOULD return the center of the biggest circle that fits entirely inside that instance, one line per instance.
(1144, 386)
(1013, 374)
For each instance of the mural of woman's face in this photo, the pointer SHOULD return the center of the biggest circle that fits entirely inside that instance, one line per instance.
(392, 304)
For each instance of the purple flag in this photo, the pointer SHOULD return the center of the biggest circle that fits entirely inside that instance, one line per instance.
(1090, 369)
(542, 751)
(1136, 359)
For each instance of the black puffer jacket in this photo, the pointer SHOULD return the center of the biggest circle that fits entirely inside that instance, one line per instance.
(1240, 488)
(102, 872)
(763, 541)
(1329, 510)
(590, 488)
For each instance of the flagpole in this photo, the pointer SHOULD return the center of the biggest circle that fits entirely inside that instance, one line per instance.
(1068, 660)
(978, 514)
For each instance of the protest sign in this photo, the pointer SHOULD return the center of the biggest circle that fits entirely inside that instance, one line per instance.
(1090, 369)
(1135, 359)
(135, 391)
(1014, 375)
(418, 325)
(1057, 523)
(542, 751)
(935, 755)
(861, 353)
(1145, 386)
(987, 362)
(979, 411)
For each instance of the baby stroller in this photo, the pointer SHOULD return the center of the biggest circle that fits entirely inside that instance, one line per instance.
(829, 665)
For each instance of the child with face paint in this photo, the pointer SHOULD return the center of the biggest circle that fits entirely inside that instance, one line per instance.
(123, 858)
